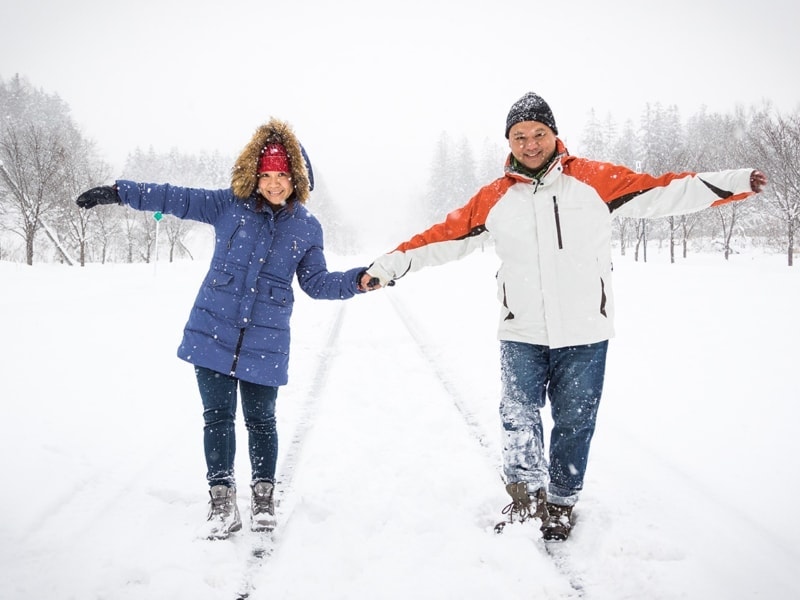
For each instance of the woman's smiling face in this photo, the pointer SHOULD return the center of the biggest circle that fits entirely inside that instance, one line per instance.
(275, 187)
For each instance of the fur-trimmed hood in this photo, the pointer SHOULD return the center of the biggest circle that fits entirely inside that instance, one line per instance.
(244, 176)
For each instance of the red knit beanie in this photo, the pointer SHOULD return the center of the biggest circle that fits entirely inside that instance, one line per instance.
(274, 158)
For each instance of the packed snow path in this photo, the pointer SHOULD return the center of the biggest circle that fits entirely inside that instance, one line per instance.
(373, 470)
(390, 451)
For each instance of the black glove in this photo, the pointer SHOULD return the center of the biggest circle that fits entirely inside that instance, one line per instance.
(105, 194)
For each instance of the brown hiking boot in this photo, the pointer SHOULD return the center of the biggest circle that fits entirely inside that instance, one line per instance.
(558, 524)
(523, 505)
(262, 506)
(223, 514)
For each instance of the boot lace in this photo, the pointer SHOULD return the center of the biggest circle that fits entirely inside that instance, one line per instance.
(521, 505)
(221, 504)
(262, 498)
(518, 508)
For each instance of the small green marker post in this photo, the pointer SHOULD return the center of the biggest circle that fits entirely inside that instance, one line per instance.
(158, 215)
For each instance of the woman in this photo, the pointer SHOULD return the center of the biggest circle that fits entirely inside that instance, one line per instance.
(237, 335)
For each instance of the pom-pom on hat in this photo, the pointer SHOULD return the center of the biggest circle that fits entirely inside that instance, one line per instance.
(274, 158)
(531, 107)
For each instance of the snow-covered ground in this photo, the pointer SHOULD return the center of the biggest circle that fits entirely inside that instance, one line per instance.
(390, 445)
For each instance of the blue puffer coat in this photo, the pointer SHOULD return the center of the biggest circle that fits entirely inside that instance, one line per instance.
(239, 324)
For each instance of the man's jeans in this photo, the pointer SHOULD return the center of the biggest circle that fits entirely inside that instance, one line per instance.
(572, 378)
(218, 392)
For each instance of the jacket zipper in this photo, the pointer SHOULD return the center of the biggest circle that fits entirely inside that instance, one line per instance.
(236, 353)
(558, 224)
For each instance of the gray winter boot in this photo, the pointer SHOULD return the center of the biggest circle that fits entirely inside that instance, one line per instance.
(262, 506)
(524, 505)
(223, 514)
(558, 524)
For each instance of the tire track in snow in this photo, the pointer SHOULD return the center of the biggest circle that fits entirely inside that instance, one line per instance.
(558, 555)
(97, 501)
(265, 545)
(443, 375)
(305, 422)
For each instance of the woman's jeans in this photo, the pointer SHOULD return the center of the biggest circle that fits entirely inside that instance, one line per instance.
(218, 392)
(572, 378)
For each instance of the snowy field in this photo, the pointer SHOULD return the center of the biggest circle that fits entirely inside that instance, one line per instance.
(390, 443)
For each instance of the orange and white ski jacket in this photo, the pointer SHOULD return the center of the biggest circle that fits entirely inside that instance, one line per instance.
(553, 238)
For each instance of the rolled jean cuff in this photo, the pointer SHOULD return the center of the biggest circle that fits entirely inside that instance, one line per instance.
(561, 496)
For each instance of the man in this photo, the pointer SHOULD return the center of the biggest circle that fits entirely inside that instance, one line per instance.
(550, 218)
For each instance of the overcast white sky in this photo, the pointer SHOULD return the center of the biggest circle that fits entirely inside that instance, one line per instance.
(370, 86)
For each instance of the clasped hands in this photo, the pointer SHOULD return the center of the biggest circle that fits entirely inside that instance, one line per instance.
(370, 283)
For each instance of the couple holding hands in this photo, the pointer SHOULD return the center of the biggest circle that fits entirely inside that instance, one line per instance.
(549, 216)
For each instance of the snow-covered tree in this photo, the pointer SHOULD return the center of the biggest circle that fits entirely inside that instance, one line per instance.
(42, 157)
(776, 145)
(206, 170)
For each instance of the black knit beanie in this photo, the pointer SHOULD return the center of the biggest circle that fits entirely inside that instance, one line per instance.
(530, 107)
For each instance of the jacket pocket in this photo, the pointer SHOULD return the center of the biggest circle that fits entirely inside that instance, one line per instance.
(219, 279)
(510, 314)
(281, 296)
(232, 237)
(557, 218)
(218, 294)
(502, 296)
(273, 308)
(603, 297)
